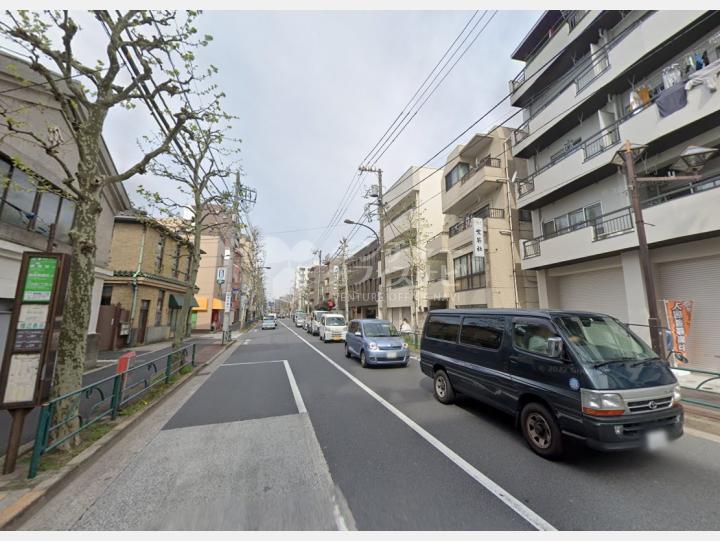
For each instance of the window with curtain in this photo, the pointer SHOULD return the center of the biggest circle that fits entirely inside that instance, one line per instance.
(455, 174)
(469, 272)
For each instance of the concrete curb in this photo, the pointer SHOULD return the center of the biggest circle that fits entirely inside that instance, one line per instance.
(12, 515)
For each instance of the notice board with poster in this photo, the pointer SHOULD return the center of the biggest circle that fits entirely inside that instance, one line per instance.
(29, 356)
(679, 317)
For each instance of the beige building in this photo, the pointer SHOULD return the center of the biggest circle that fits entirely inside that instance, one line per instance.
(31, 204)
(475, 190)
(150, 277)
(413, 215)
(207, 315)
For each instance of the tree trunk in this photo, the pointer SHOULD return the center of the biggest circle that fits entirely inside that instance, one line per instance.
(76, 314)
(182, 327)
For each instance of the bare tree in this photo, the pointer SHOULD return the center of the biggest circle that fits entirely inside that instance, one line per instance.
(199, 168)
(86, 94)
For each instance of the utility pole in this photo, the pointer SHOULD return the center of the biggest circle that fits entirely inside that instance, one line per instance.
(345, 278)
(381, 226)
(317, 276)
(229, 252)
(692, 159)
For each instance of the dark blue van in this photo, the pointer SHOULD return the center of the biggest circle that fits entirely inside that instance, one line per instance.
(559, 373)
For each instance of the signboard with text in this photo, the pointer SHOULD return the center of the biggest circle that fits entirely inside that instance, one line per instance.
(478, 237)
(29, 355)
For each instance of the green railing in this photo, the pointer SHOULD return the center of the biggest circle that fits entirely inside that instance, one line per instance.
(113, 394)
(706, 377)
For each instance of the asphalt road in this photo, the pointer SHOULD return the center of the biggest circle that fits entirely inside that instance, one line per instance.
(376, 441)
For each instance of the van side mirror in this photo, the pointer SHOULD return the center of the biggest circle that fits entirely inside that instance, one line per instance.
(358, 333)
(554, 347)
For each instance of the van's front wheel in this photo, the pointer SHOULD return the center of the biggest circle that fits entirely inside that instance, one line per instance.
(442, 389)
(541, 431)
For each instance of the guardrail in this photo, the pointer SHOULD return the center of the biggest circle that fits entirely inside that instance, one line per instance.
(52, 416)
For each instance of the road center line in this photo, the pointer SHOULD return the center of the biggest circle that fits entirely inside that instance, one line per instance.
(508, 499)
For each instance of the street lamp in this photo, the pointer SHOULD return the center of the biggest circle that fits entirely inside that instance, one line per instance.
(382, 264)
(692, 159)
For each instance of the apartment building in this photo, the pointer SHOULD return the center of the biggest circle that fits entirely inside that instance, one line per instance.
(302, 275)
(364, 281)
(592, 81)
(475, 190)
(413, 215)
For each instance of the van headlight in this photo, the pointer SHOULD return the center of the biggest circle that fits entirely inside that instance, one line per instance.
(372, 346)
(677, 395)
(598, 403)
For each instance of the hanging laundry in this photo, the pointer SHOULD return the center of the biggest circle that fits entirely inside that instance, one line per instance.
(671, 99)
(707, 76)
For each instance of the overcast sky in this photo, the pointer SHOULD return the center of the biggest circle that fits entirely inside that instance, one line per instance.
(315, 90)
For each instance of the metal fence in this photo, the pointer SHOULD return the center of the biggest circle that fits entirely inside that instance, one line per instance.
(705, 396)
(144, 377)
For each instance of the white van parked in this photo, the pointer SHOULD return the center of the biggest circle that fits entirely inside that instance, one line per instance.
(332, 328)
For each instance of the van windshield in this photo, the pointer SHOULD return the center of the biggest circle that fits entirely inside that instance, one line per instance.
(334, 321)
(375, 330)
(599, 339)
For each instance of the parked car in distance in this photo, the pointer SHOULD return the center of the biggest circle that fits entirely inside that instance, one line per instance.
(375, 342)
(299, 320)
(559, 373)
(332, 327)
(314, 326)
(268, 322)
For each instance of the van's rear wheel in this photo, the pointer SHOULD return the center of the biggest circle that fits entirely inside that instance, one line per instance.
(442, 389)
(347, 351)
(541, 431)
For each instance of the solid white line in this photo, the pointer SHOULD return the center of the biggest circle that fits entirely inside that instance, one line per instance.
(295, 391)
(508, 499)
(249, 362)
(339, 520)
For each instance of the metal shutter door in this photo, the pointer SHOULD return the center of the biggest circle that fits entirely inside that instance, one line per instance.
(697, 280)
(595, 291)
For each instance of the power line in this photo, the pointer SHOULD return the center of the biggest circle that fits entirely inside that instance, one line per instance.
(351, 192)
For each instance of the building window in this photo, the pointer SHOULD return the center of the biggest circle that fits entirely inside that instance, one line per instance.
(525, 215)
(106, 298)
(159, 253)
(455, 174)
(469, 272)
(572, 221)
(23, 204)
(176, 261)
(159, 307)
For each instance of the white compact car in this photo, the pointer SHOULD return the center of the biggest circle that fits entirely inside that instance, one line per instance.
(268, 322)
(332, 328)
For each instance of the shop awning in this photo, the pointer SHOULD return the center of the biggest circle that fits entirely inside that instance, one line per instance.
(218, 304)
(202, 303)
(176, 302)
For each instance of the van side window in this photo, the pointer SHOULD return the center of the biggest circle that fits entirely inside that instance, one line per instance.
(353, 327)
(443, 328)
(486, 332)
(532, 335)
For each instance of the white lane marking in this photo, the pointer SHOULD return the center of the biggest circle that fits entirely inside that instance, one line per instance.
(504, 496)
(339, 520)
(250, 362)
(295, 391)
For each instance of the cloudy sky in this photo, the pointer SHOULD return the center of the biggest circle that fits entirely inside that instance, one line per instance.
(313, 91)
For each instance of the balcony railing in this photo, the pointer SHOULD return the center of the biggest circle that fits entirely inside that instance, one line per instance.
(601, 142)
(592, 72)
(485, 162)
(525, 186)
(572, 18)
(609, 226)
(466, 222)
(581, 75)
(532, 248)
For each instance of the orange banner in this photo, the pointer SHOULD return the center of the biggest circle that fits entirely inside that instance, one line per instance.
(679, 316)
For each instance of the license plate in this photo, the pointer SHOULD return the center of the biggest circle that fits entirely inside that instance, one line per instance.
(656, 439)
(392, 355)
